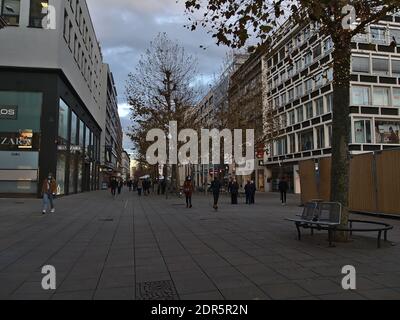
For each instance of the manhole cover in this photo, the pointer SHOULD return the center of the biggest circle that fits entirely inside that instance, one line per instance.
(159, 290)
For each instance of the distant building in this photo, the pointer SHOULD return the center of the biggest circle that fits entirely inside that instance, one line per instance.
(125, 166)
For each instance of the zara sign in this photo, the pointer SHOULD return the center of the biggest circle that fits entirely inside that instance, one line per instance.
(8, 112)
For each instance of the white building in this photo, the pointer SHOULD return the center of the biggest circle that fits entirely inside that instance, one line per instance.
(299, 77)
(52, 75)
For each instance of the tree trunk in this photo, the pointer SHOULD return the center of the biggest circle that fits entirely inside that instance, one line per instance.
(341, 126)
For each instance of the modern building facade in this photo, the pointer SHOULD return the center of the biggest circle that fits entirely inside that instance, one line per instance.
(52, 97)
(299, 77)
(126, 166)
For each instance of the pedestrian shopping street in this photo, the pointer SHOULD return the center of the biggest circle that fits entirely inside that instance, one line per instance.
(153, 248)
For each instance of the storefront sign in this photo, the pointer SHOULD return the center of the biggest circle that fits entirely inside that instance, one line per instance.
(23, 140)
(8, 112)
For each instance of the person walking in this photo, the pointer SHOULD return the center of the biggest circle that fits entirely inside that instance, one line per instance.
(140, 187)
(247, 190)
(49, 191)
(234, 189)
(130, 185)
(114, 186)
(188, 190)
(216, 190)
(120, 186)
(283, 188)
(253, 190)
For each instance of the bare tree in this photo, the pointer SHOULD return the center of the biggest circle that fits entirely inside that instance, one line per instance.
(160, 90)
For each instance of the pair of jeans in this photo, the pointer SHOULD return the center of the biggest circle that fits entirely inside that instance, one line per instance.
(283, 196)
(48, 198)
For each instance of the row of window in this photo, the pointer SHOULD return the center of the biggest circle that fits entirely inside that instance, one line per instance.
(385, 132)
(376, 65)
(379, 35)
(303, 88)
(10, 10)
(375, 95)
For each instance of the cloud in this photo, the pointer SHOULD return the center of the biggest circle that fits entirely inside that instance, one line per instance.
(125, 28)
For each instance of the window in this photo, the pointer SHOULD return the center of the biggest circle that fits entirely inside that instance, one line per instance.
(291, 94)
(309, 85)
(306, 140)
(283, 99)
(320, 137)
(292, 118)
(381, 96)
(299, 90)
(330, 131)
(395, 35)
(300, 114)
(378, 35)
(362, 131)
(387, 132)
(380, 66)
(290, 72)
(292, 143)
(319, 106)
(309, 110)
(318, 80)
(298, 65)
(317, 51)
(308, 59)
(329, 102)
(360, 64)
(9, 10)
(37, 11)
(396, 67)
(63, 119)
(328, 45)
(396, 97)
(281, 147)
(360, 95)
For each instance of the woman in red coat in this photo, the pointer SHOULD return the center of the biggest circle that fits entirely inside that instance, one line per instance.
(188, 190)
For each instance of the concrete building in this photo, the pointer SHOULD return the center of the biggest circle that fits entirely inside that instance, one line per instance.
(298, 74)
(125, 166)
(53, 90)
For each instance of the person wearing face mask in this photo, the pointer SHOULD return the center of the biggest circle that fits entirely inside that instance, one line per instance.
(49, 191)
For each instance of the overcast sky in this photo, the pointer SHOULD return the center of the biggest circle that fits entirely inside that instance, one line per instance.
(125, 28)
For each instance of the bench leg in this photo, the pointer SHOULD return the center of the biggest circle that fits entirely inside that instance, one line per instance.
(312, 231)
(298, 231)
(331, 233)
(379, 239)
(385, 235)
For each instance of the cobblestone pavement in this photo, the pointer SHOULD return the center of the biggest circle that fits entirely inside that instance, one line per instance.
(153, 248)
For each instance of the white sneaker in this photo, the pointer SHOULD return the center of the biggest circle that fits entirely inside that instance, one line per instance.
(53, 210)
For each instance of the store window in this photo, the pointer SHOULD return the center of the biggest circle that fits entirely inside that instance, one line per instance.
(381, 96)
(38, 10)
(10, 11)
(387, 132)
(360, 64)
(362, 131)
(63, 118)
(360, 95)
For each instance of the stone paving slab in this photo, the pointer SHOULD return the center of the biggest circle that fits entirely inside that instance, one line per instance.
(105, 249)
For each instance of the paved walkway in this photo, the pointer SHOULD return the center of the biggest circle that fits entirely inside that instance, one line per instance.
(149, 248)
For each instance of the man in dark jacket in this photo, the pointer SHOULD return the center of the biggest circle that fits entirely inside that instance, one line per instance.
(234, 190)
(283, 188)
(216, 189)
(253, 190)
(247, 190)
(113, 186)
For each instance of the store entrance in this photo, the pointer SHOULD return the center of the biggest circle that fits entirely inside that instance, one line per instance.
(86, 177)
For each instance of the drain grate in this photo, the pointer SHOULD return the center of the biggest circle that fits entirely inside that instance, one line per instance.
(159, 290)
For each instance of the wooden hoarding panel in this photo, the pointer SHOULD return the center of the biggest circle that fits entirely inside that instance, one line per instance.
(362, 194)
(325, 165)
(308, 181)
(388, 176)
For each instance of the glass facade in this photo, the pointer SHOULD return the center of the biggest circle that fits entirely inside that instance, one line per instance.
(20, 114)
